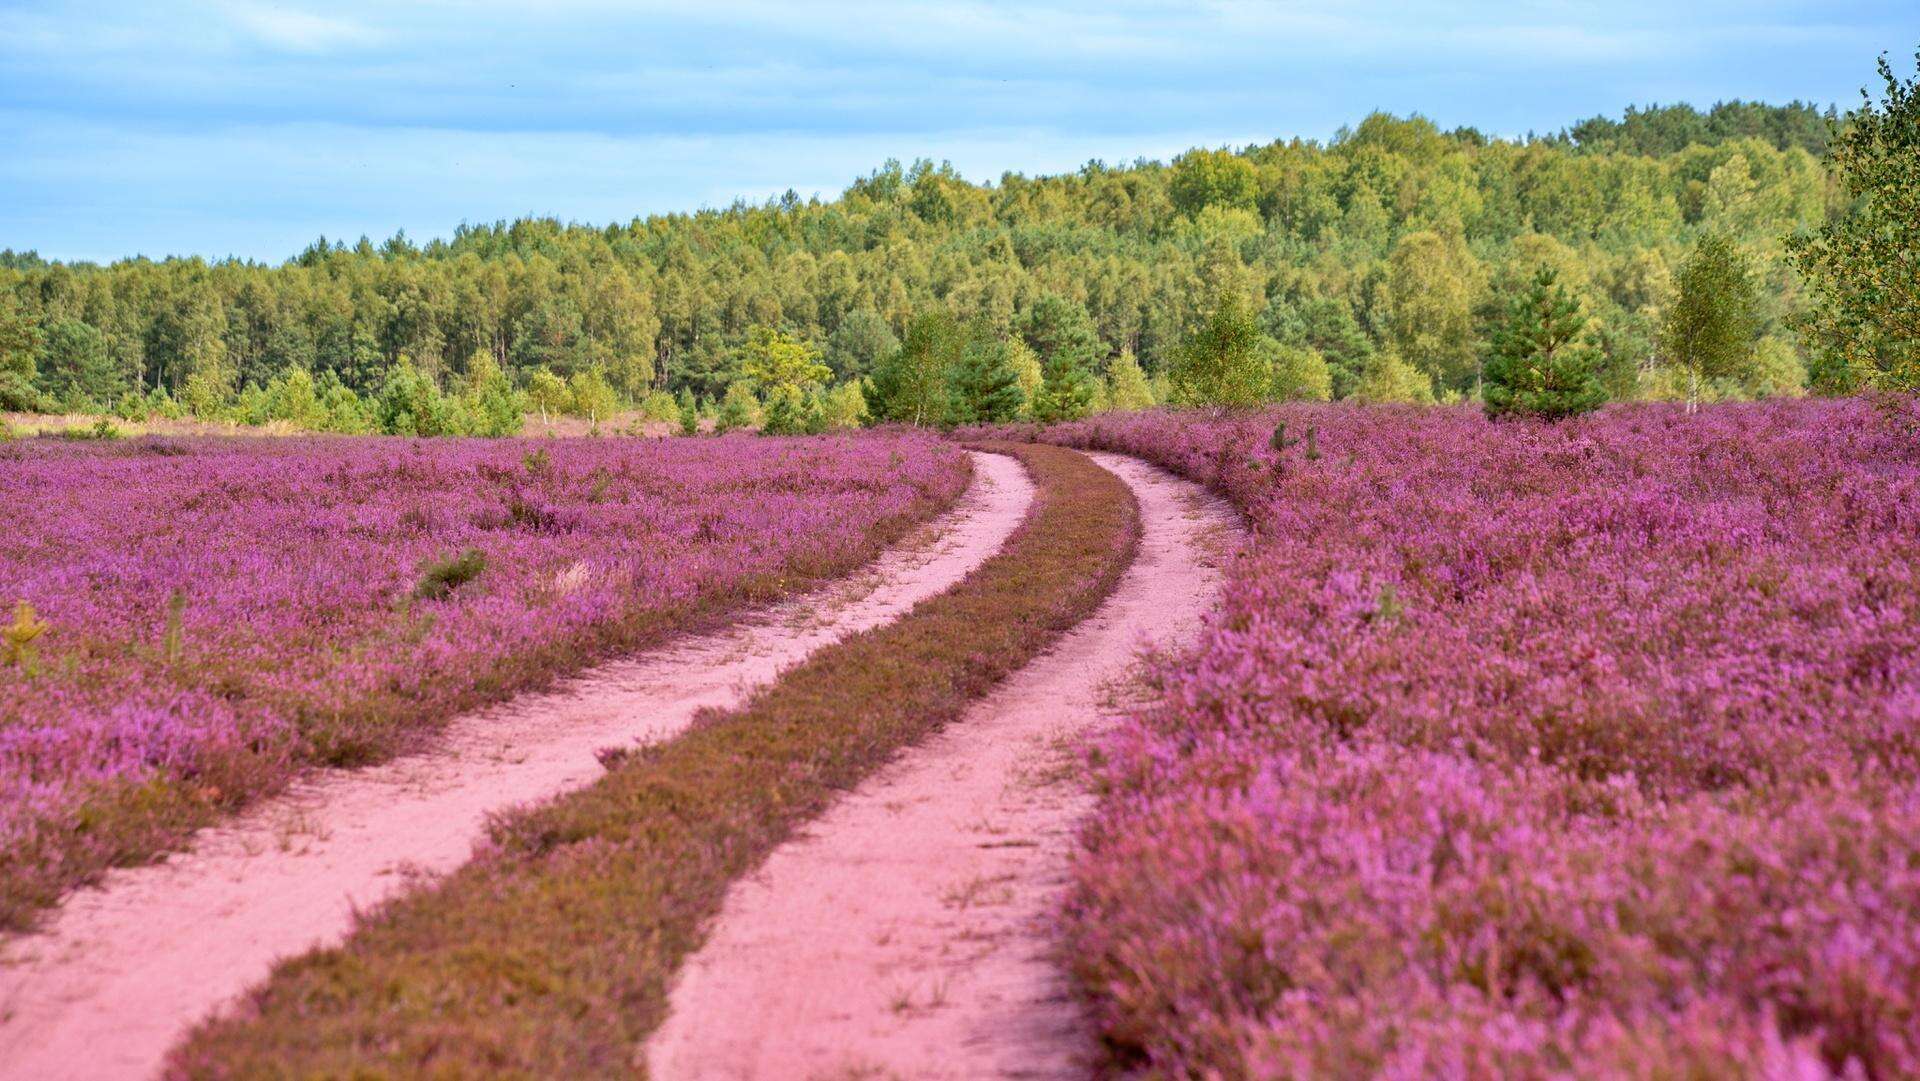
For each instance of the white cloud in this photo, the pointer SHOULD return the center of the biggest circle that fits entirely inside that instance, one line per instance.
(300, 31)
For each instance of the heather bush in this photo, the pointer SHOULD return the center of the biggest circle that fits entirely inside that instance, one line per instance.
(217, 613)
(1517, 750)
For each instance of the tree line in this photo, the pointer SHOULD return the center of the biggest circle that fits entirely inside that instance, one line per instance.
(1382, 265)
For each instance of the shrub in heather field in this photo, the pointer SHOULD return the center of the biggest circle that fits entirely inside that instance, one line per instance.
(209, 615)
(1527, 750)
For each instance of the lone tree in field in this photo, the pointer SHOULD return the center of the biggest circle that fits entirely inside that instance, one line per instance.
(1222, 364)
(1863, 267)
(1541, 364)
(1709, 328)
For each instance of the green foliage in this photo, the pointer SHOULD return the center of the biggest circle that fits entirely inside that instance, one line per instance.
(689, 413)
(1392, 237)
(439, 578)
(491, 406)
(845, 406)
(985, 386)
(591, 396)
(1386, 379)
(547, 395)
(1066, 390)
(1212, 178)
(1127, 388)
(738, 409)
(19, 343)
(1709, 328)
(76, 366)
(861, 341)
(774, 359)
(911, 386)
(1777, 370)
(1863, 266)
(660, 407)
(1541, 363)
(410, 404)
(1297, 373)
(1222, 364)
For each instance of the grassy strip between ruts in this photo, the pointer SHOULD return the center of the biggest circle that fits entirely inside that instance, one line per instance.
(550, 954)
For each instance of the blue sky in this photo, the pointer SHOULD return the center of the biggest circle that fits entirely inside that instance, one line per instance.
(249, 128)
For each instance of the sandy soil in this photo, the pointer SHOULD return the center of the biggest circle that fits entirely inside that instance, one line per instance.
(122, 969)
(906, 934)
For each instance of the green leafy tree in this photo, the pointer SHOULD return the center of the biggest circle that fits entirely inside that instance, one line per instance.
(1863, 266)
(1386, 379)
(1541, 363)
(689, 413)
(593, 397)
(547, 395)
(1297, 373)
(845, 406)
(1055, 326)
(985, 387)
(1710, 326)
(75, 365)
(492, 407)
(293, 398)
(1430, 293)
(860, 343)
(1221, 364)
(660, 407)
(410, 404)
(1205, 178)
(1127, 388)
(777, 362)
(19, 344)
(911, 385)
(738, 409)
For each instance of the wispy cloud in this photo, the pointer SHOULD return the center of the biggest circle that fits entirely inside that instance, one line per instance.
(298, 31)
(239, 124)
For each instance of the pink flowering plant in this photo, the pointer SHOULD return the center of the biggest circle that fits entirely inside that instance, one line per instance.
(209, 616)
(1526, 750)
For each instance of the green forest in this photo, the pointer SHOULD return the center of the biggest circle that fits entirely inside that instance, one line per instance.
(1380, 265)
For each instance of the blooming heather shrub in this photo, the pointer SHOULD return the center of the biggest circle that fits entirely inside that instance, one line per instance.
(1527, 750)
(218, 612)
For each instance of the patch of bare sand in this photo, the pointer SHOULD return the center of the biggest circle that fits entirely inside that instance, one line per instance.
(122, 969)
(907, 933)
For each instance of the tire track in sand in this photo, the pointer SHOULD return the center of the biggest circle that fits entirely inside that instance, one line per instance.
(120, 970)
(905, 934)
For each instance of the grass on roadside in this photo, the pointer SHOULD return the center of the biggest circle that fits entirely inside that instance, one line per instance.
(550, 954)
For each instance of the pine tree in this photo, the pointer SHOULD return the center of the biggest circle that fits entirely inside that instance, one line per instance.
(738, 409)
(1066, 390)
(689, 413)
(1541, 364)
(986, 388)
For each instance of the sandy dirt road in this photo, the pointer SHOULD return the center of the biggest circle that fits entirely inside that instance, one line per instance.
(905, 934)
(120, 970)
